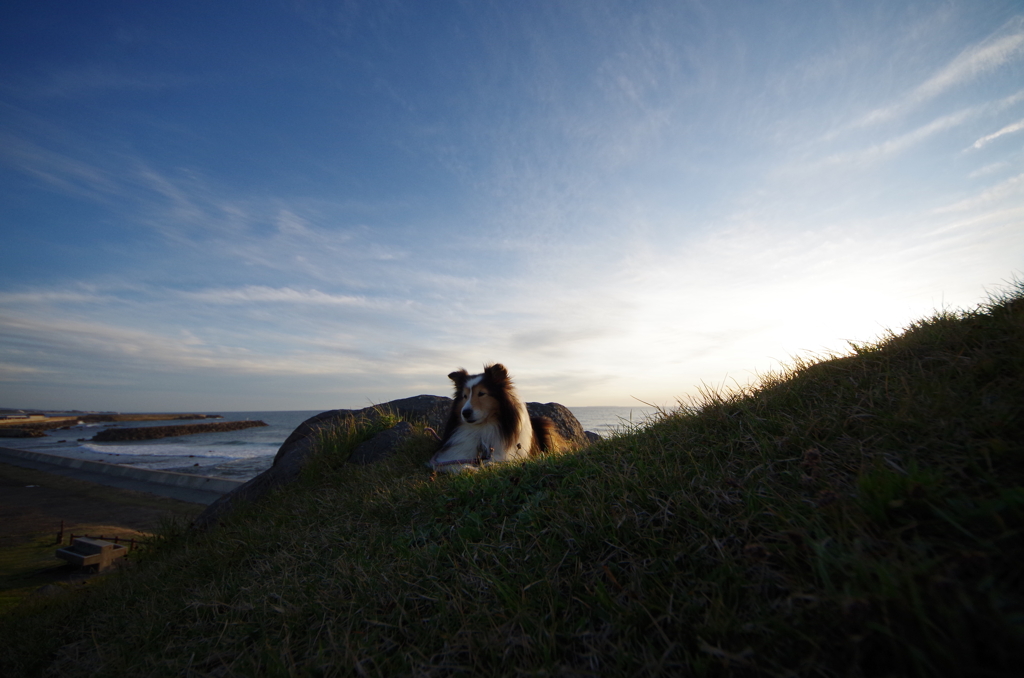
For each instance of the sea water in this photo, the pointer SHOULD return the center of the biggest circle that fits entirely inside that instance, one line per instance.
(243, 454)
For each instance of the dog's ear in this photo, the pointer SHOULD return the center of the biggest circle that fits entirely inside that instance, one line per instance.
(497, 374)
(459, 377)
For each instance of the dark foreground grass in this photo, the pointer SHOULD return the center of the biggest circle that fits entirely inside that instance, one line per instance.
(858, 516)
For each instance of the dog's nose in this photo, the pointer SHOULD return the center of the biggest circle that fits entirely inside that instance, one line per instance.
(467, 414)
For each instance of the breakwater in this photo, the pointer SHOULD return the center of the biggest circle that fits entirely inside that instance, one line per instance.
(8, 432)
(154, 432)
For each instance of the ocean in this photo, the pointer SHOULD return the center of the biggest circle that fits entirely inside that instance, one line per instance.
(240, 455)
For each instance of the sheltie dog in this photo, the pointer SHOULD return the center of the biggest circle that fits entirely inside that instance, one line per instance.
(488, 424)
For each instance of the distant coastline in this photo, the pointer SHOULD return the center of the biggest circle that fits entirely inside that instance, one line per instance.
(45, 420)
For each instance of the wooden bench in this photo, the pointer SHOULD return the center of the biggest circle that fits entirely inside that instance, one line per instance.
(86, 552)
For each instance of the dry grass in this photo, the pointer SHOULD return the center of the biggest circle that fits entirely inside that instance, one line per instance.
(860, 516)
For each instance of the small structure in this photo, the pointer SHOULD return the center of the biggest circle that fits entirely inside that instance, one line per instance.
(86, 552)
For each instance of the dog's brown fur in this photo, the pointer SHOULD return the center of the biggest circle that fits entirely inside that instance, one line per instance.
(494, 394)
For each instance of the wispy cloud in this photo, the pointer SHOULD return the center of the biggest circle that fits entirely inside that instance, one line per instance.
(15, 371)
(902, 142)
(989, 169)
(97, 78)
(129, 348)
(1009, 129)
(67, 174)
(975, 61)
(258, 294)
(1009, 189)
(1002, 47)
(36, 297)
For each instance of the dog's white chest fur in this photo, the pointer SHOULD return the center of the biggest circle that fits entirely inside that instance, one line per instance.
(472, 446)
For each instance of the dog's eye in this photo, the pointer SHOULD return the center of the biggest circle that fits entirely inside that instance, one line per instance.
(482, 393)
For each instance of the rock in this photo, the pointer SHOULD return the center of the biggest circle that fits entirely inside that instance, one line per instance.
(153, 432)
(382, 445)
(432, 409)
(21, 433)
(593, 437)
(298, 448)
(565, 421)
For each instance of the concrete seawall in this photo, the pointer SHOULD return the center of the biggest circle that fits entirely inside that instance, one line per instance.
(182, 486)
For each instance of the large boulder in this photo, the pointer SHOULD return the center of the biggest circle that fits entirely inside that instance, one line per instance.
(566, 423)
(299, 447)
(382, 445)
(430, 408)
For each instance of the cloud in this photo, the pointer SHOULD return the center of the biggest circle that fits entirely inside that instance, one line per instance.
(95, 347)
(97, 78)
(1010, 188)
(988, 169)
(16, 372)
(1009, 129)
(1000, 48)
(70, 175)
(51, 297)
(974, 61)
(905, 141)
(257, 294)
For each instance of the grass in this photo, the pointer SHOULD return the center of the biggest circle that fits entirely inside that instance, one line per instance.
(30, 565)
(858, 515)
(30, 525)
(26, 567)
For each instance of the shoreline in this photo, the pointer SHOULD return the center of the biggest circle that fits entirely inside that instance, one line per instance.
(195, 489)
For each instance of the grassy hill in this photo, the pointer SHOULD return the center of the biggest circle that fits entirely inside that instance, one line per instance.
(860, 515)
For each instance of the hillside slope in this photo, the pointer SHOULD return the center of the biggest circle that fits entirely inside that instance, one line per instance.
(860, 515)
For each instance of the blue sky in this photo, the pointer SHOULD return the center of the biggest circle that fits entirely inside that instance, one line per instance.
(312, 204)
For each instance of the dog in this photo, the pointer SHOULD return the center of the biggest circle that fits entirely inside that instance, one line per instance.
(488, 423)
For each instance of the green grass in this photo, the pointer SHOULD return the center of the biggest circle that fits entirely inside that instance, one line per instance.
(25, 567)
(856, 516)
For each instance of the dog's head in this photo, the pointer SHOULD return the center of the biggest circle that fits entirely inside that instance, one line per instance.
(478, 396)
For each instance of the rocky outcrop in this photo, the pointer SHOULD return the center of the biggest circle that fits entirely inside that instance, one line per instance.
(382, 445)
(432, 409)
(21, 433)
(565, 421)
(299, 447)
(154, 432)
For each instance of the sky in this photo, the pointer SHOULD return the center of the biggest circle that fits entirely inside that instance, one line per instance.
(274, 205)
